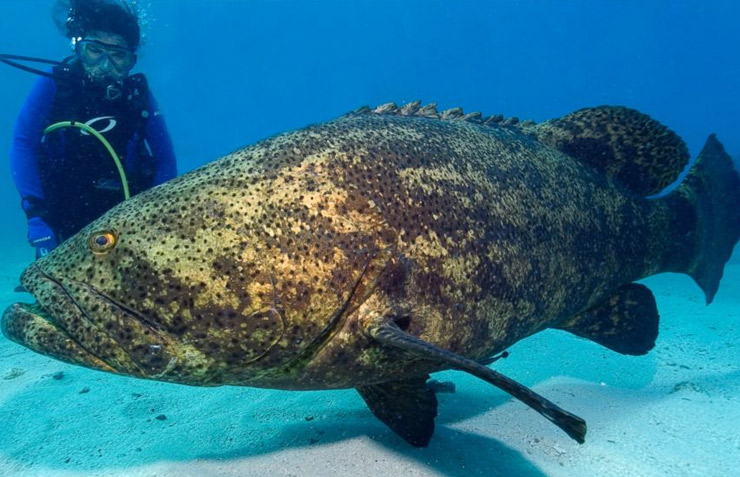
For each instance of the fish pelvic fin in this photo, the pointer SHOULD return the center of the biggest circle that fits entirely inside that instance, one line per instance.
(408, 407)
(627, 322)
(389, 334)
(712, 188)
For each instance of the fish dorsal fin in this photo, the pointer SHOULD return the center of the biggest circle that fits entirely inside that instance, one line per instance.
(623, 143)
(415, 109)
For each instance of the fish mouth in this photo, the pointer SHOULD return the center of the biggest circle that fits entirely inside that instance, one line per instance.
(76, 323)
(33, 324)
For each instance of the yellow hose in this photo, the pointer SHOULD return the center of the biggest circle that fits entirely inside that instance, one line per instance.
(90, 130)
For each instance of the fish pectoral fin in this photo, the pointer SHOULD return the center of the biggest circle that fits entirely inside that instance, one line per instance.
(626, 323)
(389, 334)
(408, 407)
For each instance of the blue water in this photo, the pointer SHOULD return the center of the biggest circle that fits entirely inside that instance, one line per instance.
(228, 73)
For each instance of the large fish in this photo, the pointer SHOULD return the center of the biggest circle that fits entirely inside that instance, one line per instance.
(372, 250)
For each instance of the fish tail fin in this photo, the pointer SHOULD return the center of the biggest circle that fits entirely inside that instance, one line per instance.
(712, 188)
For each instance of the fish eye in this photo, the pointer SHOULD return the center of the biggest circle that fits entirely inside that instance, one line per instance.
(103, 241)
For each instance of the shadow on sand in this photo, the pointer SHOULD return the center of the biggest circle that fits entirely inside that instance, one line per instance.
(89, 420)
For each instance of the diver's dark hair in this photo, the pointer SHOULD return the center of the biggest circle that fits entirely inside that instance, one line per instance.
(103, 15)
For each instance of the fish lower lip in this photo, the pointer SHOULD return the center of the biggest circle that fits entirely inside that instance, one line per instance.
(59, 325)
(31, 326)
(36, 327)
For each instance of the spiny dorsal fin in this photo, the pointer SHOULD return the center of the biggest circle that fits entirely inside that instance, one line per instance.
(474, 117)
(495, 119)
(452, 113)
(428, 111)
(387, 108)
(623, 143)
(415, 109)
(410, 109)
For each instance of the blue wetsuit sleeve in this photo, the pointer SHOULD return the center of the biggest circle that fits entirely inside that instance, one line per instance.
(26, 143)
(160, 144)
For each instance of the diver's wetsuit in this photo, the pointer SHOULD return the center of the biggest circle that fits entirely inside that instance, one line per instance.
(67, 177)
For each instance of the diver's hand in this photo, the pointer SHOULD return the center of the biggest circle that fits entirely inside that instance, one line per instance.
(41, 237)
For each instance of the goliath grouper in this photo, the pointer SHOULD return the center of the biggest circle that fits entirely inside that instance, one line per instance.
(372, 250)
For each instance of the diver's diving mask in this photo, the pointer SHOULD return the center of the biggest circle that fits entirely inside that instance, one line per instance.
(93, 52)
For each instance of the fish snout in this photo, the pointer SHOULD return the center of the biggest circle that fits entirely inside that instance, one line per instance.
(28, 325)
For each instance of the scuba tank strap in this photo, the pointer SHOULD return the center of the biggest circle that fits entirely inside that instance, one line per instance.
(67, 79)
(137, 90)
(139, 111)
(65, 73)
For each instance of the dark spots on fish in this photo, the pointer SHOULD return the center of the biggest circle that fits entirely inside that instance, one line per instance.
(431, 281)
(393, 281)
(611, 139)
(267, 246)
(597, 151)
(341, 357)
(490, 277)
(178, 326)
(298, 295)
(477, 338)
(573, 127)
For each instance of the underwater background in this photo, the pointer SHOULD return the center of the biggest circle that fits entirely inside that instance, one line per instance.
(227, 73)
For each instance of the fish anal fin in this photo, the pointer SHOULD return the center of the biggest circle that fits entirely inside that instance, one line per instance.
(408, 407)
(626, 323)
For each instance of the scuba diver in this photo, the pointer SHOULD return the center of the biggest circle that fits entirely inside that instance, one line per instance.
(89, 134)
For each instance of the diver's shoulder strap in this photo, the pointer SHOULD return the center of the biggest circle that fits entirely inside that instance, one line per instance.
(68, 81)
(66, 73)
(137, 90)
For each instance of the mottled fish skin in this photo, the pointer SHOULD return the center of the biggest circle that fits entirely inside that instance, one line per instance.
(267, 267)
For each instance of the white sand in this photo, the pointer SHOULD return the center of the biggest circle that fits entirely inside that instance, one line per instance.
(672, 413)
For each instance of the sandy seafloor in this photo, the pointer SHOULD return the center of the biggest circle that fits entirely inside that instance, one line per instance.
(674, 412)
